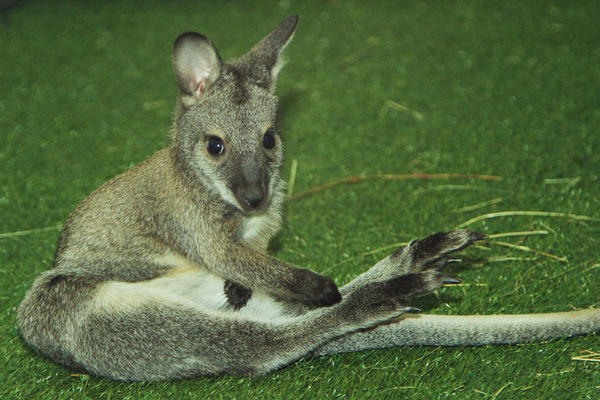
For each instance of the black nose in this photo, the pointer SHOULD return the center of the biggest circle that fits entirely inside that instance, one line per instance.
(253, 197)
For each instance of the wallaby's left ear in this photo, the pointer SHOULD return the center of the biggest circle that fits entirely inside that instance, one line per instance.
(264, 61)
(197, 66)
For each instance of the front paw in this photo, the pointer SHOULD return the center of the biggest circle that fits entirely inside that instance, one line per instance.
(316, 290)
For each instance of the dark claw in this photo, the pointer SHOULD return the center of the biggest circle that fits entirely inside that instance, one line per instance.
(478, 236)
(451, 280)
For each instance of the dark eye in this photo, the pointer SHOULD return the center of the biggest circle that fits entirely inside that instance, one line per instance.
(269, 140)
(215, 146)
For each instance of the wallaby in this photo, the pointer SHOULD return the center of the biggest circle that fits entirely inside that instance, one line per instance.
(163, 273)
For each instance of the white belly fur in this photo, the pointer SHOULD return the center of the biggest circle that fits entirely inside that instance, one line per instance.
(197, 290)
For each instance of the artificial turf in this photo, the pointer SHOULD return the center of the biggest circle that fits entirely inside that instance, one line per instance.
(509, 89)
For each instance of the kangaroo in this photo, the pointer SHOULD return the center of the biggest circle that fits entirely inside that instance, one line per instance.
(163, 272)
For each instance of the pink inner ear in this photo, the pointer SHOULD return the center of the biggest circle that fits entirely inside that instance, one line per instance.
(199, 89)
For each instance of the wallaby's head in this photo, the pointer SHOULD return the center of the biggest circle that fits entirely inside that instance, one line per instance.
(225, 130)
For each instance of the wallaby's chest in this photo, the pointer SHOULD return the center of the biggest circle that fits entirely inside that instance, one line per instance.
(256, 230)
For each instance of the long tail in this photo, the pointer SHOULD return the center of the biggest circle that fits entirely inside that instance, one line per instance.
(437, 330)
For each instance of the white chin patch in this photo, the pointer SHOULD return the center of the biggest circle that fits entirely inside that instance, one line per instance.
(255, 226)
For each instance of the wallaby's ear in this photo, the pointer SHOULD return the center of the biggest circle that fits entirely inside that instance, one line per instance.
(197, 66)
(265, 61)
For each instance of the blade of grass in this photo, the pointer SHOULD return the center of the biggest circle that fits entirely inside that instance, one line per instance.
(29, 232)
(524, 213)
(414, 175)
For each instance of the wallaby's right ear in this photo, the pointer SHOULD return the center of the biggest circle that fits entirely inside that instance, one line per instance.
(197, 66)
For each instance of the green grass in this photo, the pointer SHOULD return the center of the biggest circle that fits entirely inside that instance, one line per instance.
(503, 88)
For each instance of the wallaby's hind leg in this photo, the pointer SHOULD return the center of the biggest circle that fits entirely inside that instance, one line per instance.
(158, 338)
(158, 333)
(429, 254)
(437, 330)
(157, 341)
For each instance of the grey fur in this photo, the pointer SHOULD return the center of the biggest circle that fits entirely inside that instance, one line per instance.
(162, 272)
